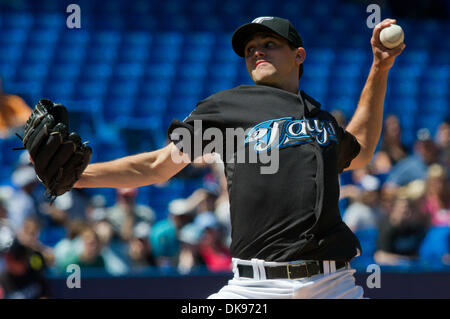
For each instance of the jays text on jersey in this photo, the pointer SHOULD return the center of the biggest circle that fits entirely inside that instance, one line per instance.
(293, 213)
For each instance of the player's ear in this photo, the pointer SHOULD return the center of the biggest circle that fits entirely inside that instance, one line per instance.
(300, 55)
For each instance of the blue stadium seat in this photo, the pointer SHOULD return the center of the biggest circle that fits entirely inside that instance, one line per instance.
(64, 71)
(10, 54)
(223, 70)
(155, 88)
(13, 36)
(43, 37)
(189, 88)
(137, 38)
(434, 88)
(96, 72)
(435, 245)
(91, 90)
(134, 53)
(165, 53)
(169, 39)
(150, 107)
(78, 37)
(368, 239)
(123, 89)
(116, 108)
(127, 71)
(36, 72)
(106, 38)
(192, 71)
(70, 54)
(59, 91)
(160, 71)
(50, 20)
(182, 105)
(19, 20)
(38, 54)
(102, 53)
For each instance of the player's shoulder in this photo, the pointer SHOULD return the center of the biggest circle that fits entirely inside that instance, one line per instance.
(232, 92)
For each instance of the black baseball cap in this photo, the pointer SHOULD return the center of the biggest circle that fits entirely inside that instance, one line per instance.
(279, 26)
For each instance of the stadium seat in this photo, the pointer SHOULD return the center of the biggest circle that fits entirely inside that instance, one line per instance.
(150, 107)
(155, 88)
(116, 108)
(59, 91)
(18, 20)
(368, 239)
(13, 36)
(435, 245)
(96, 72)
(90, 90)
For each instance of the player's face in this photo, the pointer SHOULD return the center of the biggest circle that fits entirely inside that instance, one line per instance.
(271, 61)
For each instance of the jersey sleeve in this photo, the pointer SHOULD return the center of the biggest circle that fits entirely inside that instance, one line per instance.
(188, 135)
(349, 148)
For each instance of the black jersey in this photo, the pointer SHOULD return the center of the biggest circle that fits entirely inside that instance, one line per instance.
(291, 214)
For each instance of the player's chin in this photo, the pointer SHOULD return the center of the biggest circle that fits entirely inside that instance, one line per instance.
(262, 76)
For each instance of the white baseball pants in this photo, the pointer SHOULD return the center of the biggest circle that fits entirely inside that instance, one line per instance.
(332, 284)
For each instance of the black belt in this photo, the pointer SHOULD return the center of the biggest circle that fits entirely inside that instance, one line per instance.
(290, 271)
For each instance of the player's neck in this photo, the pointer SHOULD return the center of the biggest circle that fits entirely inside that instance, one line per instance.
(289, 86)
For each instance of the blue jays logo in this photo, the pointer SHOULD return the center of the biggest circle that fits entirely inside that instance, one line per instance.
(284, 132)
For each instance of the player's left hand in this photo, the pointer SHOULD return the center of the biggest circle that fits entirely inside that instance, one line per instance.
(384, 58)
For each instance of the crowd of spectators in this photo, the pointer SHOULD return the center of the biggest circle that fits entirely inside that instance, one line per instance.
(400, 204)
(398, 200)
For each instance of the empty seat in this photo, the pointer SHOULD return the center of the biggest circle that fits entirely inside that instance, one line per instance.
(155, 88)
(59, 91)
(116, 108)
(157, 71)
(128, 71)
(36, 72)
(92, 89)
(13, 36)
(19, 20)
(43, 37)
(150, 107)
(96, 72)
(123, 88)
(101, 53)
(72, 54)
(38, 54)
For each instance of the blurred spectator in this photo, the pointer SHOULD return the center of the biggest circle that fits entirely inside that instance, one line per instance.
(437, 198)
(443, 143)
(96, 210)
(126, 213)
(340, 117)
(391, 148)
(55, 217)
(14, 112)
(114, 263)
(189, 257)
(22, 278)
(69, 247)
(415, 166)
(216, 255)
(139, 248)
(29, 237)
(364, 212)
(164, 234)
(90, 255)
(22, 204)
(401, 233)
(6, 233)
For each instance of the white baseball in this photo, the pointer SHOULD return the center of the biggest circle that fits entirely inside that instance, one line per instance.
(392, 36)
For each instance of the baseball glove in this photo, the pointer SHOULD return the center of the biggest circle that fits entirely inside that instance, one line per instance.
(58, 157)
